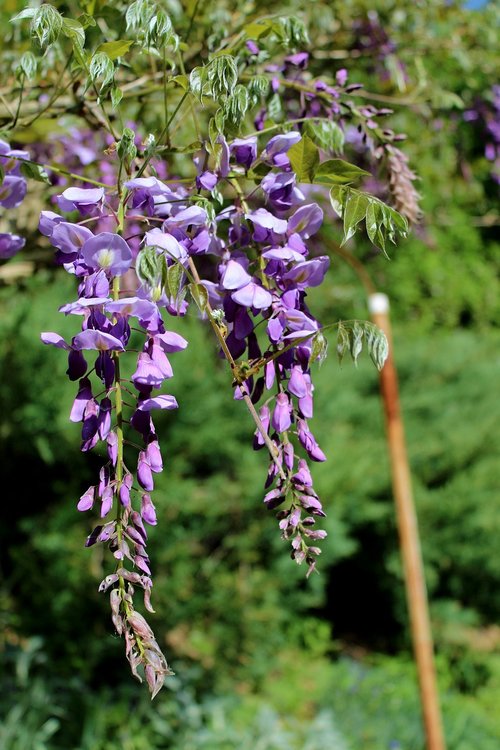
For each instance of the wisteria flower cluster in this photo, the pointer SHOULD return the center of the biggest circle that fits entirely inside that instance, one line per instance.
(195, 214)
(262, 273)
(13, 189)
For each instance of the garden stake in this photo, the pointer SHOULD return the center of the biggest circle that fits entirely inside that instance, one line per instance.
(409, 537)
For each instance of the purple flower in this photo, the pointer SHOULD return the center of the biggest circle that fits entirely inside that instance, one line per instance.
(306, 220)
(280, 144)
(265, 418)
(341, 76)
(164, 241)
(308, 273)
(268, 228)
(69, 238)
(252, 47)
(253, 295)
(104, 418)
(235, 276)
(281, 420)
(186, 217)
(308, 442)
(82, 398)
(286, 254)
(159, 402)
(87, 500)
(84, 200)
(93, 339)
(147, 375)
(12, 191)
(77, 366)
(47, 222)
(281, 191)
(124, 491)
(10, 244)
(207, 180)
(171, 341)
(154, 458)
(297, 383)
(109, 252)
(148, 512)
(274, 498)
(112, 447)
(244, 151)
(139, 308)
(144, 474)
(300, 59)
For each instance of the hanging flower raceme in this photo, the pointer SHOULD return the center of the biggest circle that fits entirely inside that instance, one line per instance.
(122, 494)
(262, 274)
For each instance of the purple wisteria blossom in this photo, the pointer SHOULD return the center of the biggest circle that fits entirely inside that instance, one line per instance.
(108, 252)
(10, 244)
(257, 288)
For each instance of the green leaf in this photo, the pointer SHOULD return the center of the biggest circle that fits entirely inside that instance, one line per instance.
(236, 106)
(337, 199)
(350, 339)
(74, 31)
(114, 50)
(46, 25)
(378, 346)
(290, 31)
(373, 221)
(116, 96)
(259, 29)
(26, 13)
(102, 67)
(34, 172)
(148, 266)
(126, 148)
(326, 134)
(304, 158)
(354, 212)
(28, 65)
(257, 88)
(356, 341)
(319, 348)
(86, 20)
(138, 15)
(382, 222)
(175, 275)
(338, 172)
(200, 296)
(343, 345)
(160, 31)
(197, 82)
(275, 108)
(181, 80)
(222, 76)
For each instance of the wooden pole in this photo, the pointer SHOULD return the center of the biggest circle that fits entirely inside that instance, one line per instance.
(409, 537)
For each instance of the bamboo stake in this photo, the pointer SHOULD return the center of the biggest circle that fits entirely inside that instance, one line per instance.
(409, 537)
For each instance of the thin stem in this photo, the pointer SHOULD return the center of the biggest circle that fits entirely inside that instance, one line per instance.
(16, 116)
(191, 105)
(163, 133)
(273, 451)
(191, 21)
(56, 94)
(118, 399)
(65, 172)
(165, 97)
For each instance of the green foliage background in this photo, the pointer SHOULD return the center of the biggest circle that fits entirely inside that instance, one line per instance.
(265, 659)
